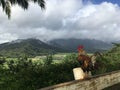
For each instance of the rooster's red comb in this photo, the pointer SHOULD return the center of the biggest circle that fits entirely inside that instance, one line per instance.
(80, 47)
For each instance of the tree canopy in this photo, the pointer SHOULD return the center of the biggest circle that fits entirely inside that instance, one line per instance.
(7, 4)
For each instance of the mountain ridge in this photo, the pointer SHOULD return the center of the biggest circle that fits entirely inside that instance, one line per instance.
(89, 44)
(35, 47)
(29, 47)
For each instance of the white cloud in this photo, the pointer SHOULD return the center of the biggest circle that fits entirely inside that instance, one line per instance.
(62, 19)
(6, 37)
(100, 21)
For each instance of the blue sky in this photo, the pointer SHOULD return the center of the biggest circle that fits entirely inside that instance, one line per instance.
(100, 1)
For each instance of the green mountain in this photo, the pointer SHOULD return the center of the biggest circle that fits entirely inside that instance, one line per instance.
(35, 47)
(89, 45)
(28, 47)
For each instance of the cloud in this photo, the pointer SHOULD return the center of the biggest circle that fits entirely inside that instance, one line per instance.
(99, 21)
(6, 37)
(62, 19)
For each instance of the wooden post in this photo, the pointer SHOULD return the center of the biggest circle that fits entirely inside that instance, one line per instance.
(78, 73)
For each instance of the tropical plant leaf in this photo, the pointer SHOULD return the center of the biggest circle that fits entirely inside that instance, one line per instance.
(6, 4)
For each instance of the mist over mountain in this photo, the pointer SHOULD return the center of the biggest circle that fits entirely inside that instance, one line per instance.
(36, 47)
(90, 45)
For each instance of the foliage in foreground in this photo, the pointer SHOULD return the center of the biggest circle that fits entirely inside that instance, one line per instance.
(7, 4)
(110, 60)
(23, 74)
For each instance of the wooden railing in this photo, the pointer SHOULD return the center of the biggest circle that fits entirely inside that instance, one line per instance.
(94, 83)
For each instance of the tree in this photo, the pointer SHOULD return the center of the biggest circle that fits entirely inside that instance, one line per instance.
(116, 44)
(48, 60)
(7, 4)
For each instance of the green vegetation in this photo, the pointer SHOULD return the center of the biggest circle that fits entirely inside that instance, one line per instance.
(29, 74)
(110, 60)
(28, 47)
(48, 60)
(35, 47)
(23, 74)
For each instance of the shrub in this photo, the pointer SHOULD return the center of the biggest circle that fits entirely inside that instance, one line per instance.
(48, 60)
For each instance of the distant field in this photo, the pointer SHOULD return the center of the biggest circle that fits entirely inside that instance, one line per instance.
(57, 58)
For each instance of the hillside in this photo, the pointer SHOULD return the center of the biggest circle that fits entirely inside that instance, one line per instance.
(112, 58)
(90, 45)
(29, 47)
(35, 47)
(115, 49)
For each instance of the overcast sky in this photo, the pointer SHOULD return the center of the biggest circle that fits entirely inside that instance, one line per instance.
(91, 19)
